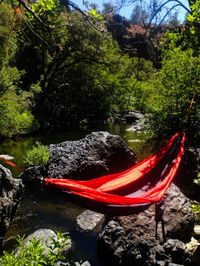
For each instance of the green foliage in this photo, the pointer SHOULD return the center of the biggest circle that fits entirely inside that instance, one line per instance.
(194, 20)
(39, 155)
(176, 82)
(90, 79)
(33, 252)
(94, 14)
(196, 209)
(15, 117)
(194, 17)
(7, 41)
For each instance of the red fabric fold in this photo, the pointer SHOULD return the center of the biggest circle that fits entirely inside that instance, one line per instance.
(103, 189)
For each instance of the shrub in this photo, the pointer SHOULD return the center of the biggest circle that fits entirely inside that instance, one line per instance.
(33, 252)
(178, 78)
(39, 155)
(15, 116)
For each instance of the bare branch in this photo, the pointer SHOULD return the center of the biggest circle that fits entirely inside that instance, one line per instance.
(168, 12)
(85, 15)
(38, 36)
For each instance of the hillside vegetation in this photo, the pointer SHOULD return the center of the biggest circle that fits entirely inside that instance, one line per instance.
(61, 67)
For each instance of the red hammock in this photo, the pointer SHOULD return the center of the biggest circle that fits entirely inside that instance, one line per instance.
(132, 190)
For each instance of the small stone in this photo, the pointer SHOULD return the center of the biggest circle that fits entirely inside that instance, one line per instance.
(192, 245)
(197, 231)
(89, 220)
(134, 140)
(7, 157)
(196, 256)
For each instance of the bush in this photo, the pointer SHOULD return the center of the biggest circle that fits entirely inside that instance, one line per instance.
(15, 116)
(33, 252)
(176, 84)
(39, 155)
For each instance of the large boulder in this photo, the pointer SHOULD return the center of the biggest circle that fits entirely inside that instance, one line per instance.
(10, 195)
(188, 172)
(131, 240)
(98, 154)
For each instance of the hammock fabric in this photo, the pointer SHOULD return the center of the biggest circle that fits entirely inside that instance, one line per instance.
(132, 190)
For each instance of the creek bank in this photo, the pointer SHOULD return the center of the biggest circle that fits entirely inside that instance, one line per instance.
(130, 240)
(125, 241)
(99, 153)
(10, 195)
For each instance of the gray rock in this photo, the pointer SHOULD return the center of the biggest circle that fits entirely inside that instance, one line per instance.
(196, 233)
(88, 221)
(188, 171)
(194, 249)
(196, 256)
(85, 263)
(138, 127)
(10, 195)
(131, 240)
(32, 175)
(6, 157)
(133, 116)
(45, 236)
(76, 263)
(98, 154)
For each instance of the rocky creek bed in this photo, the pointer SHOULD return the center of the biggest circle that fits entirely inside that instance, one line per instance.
(126, 240)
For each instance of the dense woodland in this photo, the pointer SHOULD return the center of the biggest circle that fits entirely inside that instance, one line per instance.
(61, 67)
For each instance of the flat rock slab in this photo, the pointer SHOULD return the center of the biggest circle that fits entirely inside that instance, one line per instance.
(88, 221)
(130, 240)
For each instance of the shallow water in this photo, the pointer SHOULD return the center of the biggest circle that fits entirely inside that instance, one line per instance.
(42, 208)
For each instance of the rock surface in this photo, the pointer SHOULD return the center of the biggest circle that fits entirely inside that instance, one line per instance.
(138, 127)
(194, 249)
(188, 171)
(88, 221)
(98, 154)
(133, 116)
(196, 233)
(10, 195)
(131, 240)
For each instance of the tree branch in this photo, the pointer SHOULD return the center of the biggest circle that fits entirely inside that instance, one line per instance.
(22, 2)
(85, 15)
(80, 60)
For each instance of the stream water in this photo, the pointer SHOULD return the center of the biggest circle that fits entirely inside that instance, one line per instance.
(43, 209)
